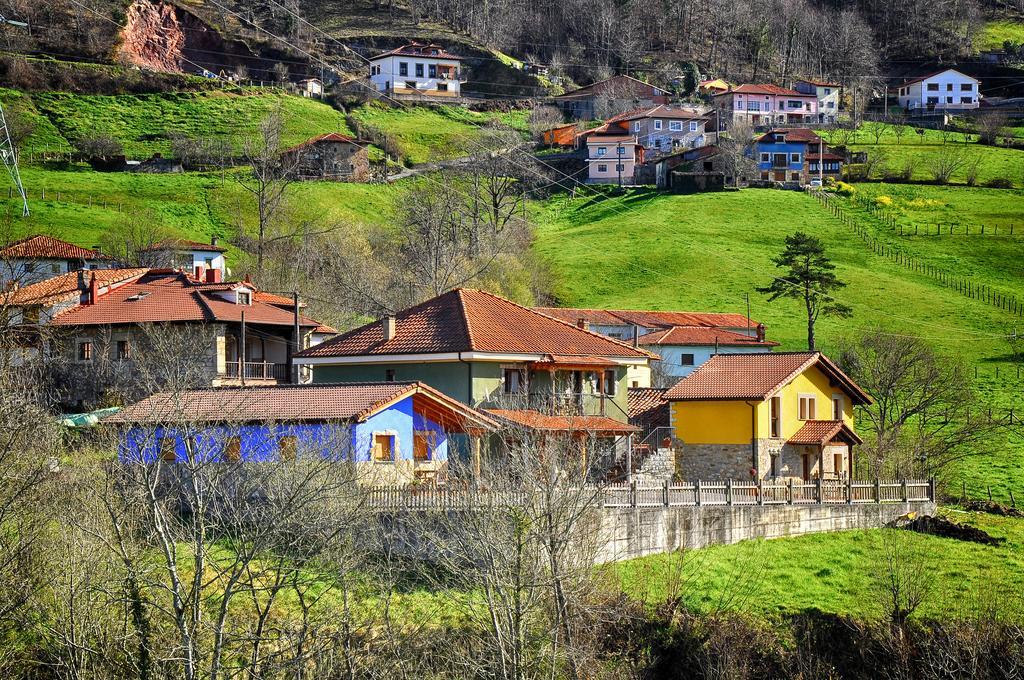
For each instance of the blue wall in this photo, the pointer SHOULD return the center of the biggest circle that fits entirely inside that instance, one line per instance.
(259, 441)
(781, 147)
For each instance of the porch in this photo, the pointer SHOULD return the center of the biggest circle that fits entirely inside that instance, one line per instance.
(254, 355)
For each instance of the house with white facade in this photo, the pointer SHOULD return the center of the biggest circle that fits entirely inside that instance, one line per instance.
(612, 158)
(827, 94)
(205, 261)
(944, 90)
(417, 69)
(39, 257)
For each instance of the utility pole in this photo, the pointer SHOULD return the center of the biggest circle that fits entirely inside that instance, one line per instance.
(241, 353)
(618, 165)
(297, 344)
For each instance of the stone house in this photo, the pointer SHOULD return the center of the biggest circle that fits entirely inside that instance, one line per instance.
(39, 257)
(661, 129)
(332, 156)
(786, 415)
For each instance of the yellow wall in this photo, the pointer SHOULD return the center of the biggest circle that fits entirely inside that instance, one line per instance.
(728, 422)
(711, 422)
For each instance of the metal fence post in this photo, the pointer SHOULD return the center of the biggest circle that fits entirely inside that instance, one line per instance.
(789, 491)
(760, 492)
(668, 483)
(818, 490)
(849, 491)
(878, 490)
(632, 495)
(696, 492)
(728, 492)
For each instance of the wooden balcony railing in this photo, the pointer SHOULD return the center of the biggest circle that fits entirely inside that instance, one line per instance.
(255, 370)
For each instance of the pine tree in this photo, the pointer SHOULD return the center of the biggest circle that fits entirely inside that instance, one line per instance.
(809, 277)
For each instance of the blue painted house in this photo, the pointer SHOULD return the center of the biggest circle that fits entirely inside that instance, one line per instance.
(793, 155)
(396, 432)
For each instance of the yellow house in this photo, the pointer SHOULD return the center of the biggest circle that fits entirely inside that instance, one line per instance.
(715, 86)
(768, 416)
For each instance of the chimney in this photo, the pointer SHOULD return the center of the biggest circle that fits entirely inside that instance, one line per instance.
(213, 275)
(213, 240)
(760, 332)
(199, 276)
(636, 335)
(93, 291)
(582, 324)
(389, 327)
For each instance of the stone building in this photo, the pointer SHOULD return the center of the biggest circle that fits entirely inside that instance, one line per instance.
(332, 157)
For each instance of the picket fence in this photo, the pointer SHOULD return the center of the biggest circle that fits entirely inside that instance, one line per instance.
(692, 494)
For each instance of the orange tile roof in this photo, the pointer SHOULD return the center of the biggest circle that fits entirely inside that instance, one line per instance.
(166, 295)
(42, 247)
(821, 432)
(535, 420)
(648, 318)
(702, 335)
(466, 320)
(417, 49)
(68, 286)
(764, 88)
(648, 407)
(279, 403)
(756, 377)
(660, 111)
(792, 135)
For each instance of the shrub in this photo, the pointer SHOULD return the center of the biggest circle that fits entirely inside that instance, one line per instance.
(884, 201)
(999, 183)
(844, 189)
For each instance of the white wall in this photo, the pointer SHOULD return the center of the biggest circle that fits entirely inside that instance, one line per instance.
(388, 79)
(948, 84)
(671, 356)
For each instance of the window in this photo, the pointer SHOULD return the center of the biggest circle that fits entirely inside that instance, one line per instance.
(610, 383)
(686, 360)
(403, 68)
(85, 350)
(619, 167)
(949, 100)
(693, 126)
(383, 448)
(636, 126)
(602, 167)
(389, 375)
(949, 87)
(244, 297)
(830, 105)
(933, 100)
(828, 91)
(754, 106)
(424, 443)
(602, 150)
(232, 450)
(794, 158)
(442, 87)
(514, 380)
(966, 87)
(775, 407)
(124, 350)
(837, 407)
(657, 124)
(168, 447)
(806, 407)
(794, 176)
(432, 71)
(55, 269)
(933, 87)
(209, 263)
(837, 463)
(620, 150)
(766, 158)
(287, 447)
(31, 313)
(419, 70)
(775, 465)
(966, 100)
(410, 84)
(675, 125)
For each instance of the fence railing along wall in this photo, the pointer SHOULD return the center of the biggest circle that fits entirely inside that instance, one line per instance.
(692, 494)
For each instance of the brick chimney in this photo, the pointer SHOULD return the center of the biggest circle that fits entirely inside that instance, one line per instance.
(93, 291)
(760, 332)
(213, 275)
(636, 335)
(582, 324)
(199, 275)
(388, 324)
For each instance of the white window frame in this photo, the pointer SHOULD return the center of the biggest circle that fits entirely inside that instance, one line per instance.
(693, 126)
(636, 126)
(396, 454)
(520, 377)
(794, 158)
(766, 157)
(657, 123)
(837, 399)
(675, 126)
(602, 150)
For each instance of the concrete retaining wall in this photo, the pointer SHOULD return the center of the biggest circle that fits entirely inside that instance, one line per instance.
(628, 533)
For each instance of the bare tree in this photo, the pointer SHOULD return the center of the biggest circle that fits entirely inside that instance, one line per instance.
(899, 128)
(102, 147)
(542, 119)
(990, 126)
(946, 162)
(136, 239)
(737, 151)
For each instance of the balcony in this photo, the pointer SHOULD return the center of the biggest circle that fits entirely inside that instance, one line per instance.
(255, 372)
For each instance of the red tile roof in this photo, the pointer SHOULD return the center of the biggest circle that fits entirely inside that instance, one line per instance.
(628, 85)
(764, 88)
(280, 403)
(702, 335)
(756, 377)
(417, 49)
(648, 318)
(466, 320)
(42, 247)
(68, 286)
(792, 135)
(648, 407)
(660, 111)
(535, 420)
(818, 83)
(163, 295)
(185, 244)
(821, 432)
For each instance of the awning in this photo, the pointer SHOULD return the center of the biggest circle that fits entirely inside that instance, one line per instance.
(822, 432)
(87, 419)
(541, 422)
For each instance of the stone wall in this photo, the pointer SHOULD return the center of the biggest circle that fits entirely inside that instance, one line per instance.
(657, 468)
(628, 533)
(715, 461)
(733, 461)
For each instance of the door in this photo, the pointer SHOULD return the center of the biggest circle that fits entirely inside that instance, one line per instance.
(780, 175)
(806, 458)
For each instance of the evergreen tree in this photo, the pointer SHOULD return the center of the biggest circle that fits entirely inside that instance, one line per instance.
(809, 277)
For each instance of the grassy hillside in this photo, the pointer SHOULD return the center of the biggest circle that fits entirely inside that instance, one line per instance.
(428, 134)
(839, 572)
(708, 251)
(144, 123)
(996, 32)
(21, 112)
(920, 150)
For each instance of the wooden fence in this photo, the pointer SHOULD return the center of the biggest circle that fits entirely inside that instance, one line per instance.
(692, 494)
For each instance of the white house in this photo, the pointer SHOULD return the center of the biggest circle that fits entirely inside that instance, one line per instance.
(39, 257)
(947, 89)
(417, 69)
(612, 159)
(204, 261)
(827, 94)
(312, 88)
(683, 348)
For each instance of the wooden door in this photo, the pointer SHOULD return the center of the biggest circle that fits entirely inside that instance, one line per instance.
(806, 458)
(422, 445)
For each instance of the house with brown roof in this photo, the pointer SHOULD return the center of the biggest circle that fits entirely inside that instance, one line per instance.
(618, 93)
(103, 323)
(523, 366)
(417, 70)
(660, 129)
(795, 155)
(332, 156)
(39, 257)
(682, 340)
(765, 104)
(395, 432)
(785, 415)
